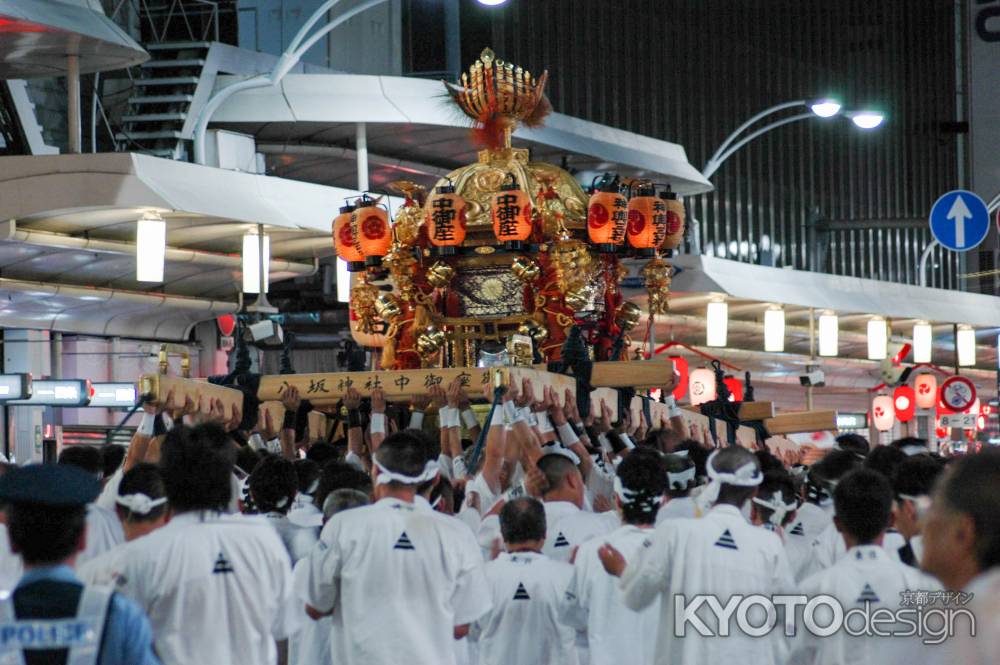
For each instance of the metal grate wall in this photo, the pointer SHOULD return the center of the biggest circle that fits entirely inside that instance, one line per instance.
(691, 71)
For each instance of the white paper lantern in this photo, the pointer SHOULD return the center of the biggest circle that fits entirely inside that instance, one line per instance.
(829, 333)
(878, 338)
(923, 337)
(717, 324)
(965, 339)
(701, 386)
(883, 413)
(926, 387)
(774, 330)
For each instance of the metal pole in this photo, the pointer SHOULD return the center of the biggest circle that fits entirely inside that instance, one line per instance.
(261, 276)
(954, 337)
(73, 92)
(923, 261)
(361, 139)
(812, 355)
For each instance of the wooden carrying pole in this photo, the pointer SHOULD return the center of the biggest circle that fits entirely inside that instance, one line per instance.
(155, 388)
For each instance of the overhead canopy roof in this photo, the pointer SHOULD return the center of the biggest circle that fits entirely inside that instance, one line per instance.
(410, 119)
(750, 290)
(834, 292)
(37, 35)
(67, 232)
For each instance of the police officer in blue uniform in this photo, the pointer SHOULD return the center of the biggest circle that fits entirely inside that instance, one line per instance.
(51, 618)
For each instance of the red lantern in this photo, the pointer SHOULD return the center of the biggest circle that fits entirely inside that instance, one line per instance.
(647, 221)
(372, 235)
(735, 388)
(904, 401)
(227, 324)
(511, 215)
(607, 216)
(445, 219)
(675, 220)
(343, 240)
(681, 370)
(926, 390)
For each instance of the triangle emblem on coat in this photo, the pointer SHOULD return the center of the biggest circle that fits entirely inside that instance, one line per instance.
(521, 593)
(798, 530)
(403, 543)
(726, 541)
(561, 541)
(222, 565)
(868, 595)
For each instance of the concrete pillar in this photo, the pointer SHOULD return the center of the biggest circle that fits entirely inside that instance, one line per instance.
(26, 351)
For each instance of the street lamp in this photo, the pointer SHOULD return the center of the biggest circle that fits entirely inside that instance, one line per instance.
(818, 108)
(825, 108)
(866, 119)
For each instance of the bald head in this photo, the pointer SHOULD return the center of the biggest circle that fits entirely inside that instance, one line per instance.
(557, 469)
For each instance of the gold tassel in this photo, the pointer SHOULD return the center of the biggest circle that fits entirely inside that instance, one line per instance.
(389, 353)
(422, 317)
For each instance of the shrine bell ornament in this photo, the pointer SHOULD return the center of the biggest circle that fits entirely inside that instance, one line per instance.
(647, 221)
(674, 231)
(343, 240)
(883, 413)
(372, 233)
(607, 216)
(445, 220)
(511, 210)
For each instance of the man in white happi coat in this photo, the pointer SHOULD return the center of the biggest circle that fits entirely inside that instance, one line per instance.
(720, 555)
(595, 602)
(866, 580)
(527, 591)
(407, 580)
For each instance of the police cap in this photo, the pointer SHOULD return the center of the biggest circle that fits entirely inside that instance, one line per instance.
(49, 485)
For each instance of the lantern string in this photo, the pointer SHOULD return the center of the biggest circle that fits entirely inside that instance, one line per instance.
(660, 349)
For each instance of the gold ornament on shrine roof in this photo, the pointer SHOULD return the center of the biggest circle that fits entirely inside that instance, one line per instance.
(498, 95)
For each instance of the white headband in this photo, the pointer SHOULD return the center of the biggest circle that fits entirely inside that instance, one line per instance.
(140, 504)
(681, 478)
(558, 449)
(627, 496)
(778, 507)
(748, 475)
(385, 476)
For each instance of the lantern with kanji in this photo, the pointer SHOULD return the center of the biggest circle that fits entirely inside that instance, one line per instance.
(445, 219)
(926, 389)
(883, 413)
(343, 240)
(511, 215)
(647, 220)
(607, 215)
(702, 386)
(674, 221)
(372, 234)
(904, 403)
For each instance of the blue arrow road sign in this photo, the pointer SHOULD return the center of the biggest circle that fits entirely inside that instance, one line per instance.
(959, 220)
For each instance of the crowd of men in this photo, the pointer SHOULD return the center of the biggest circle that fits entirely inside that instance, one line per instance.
(557, 540)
